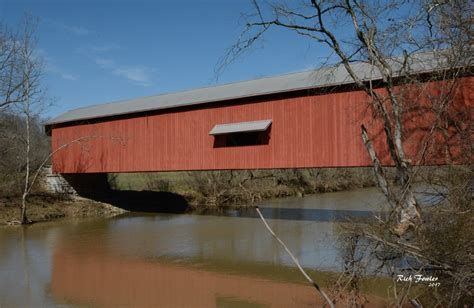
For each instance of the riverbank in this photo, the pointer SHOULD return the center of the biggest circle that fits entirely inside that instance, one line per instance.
(186, 192)
(209, 190)
(48, 207)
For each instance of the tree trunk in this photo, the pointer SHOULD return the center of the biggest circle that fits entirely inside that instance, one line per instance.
(379, 173)
(409, 212)
(406, 205)
(24, 218)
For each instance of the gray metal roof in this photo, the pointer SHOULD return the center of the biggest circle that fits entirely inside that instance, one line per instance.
(324, 77)
(252, 126)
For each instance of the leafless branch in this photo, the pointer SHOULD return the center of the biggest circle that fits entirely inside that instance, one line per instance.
(310, 280)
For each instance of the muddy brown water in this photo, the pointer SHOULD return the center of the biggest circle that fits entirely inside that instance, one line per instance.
(180, 260)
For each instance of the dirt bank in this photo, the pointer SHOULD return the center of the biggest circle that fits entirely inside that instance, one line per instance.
(46, 207)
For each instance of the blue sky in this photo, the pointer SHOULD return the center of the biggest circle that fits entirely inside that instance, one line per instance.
(102, 51)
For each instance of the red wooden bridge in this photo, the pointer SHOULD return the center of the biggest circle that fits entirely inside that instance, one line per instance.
(308, 119)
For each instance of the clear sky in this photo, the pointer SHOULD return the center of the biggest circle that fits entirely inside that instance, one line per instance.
(104, 50)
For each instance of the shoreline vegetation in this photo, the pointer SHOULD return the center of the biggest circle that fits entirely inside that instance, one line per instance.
(202, 191)
(208, 190)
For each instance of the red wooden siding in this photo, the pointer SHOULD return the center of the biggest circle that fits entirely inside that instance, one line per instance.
(307, 131)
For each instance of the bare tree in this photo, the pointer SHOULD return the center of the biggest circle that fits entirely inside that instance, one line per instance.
(11, 80)
(409, 58)
(388, 37)
(31, 100)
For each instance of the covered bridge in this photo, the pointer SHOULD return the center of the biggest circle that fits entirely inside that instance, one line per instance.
(299, 120)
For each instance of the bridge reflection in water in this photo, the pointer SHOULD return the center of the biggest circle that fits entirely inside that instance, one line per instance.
(195, 261)
(111, 282)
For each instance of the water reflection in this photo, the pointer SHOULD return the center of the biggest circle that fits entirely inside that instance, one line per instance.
(320, 215)
(25, 266)
(109, 281)
(173, 260)
(198, 238)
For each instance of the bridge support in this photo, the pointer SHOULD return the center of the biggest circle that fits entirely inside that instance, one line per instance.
(83, 184)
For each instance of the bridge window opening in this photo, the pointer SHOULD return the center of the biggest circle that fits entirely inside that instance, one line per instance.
(241, 139)
(241, 134)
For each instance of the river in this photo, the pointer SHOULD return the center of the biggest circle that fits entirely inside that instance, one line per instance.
(180, 260)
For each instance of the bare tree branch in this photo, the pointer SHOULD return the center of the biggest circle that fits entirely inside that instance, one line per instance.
(315, 285)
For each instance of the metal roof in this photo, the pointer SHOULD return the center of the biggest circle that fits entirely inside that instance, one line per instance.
(252, 126)
(324, 77)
